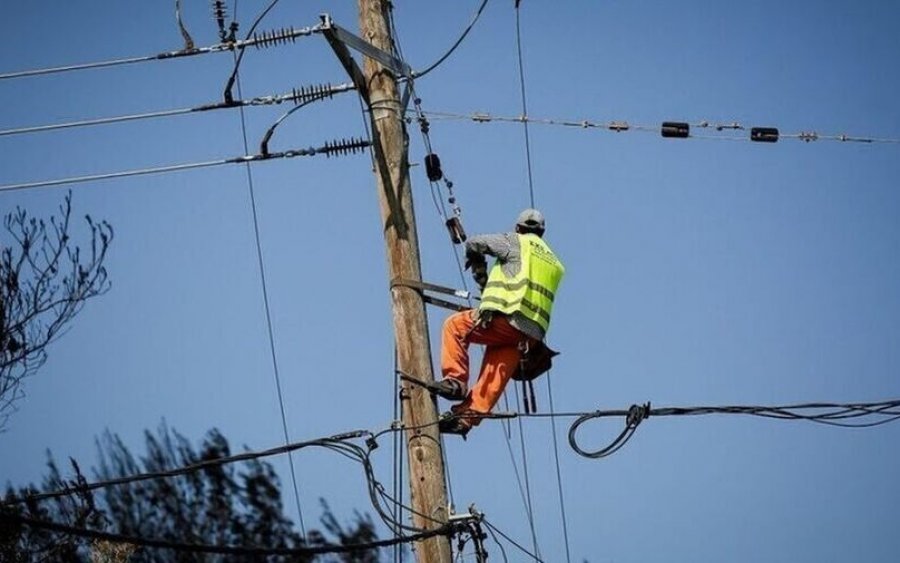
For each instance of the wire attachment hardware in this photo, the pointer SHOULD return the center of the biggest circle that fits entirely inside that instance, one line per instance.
(675, 130)
(312, 93)
(433, 167)
(808, 136)
(220, 12)
(764, 134)
(343, 147)
(457, 232)
(618, 126)
(273, 38)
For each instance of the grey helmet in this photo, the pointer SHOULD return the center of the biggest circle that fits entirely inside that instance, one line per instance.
(531, 219)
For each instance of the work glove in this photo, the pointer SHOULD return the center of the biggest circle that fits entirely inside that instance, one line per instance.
(480, 274)
(478, 264)
(474, 259)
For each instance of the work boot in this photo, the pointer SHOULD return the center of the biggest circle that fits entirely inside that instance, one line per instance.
(450, 389)
(450, 423)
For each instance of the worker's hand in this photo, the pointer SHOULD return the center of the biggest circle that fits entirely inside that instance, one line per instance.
(480, 275)
(474, 260)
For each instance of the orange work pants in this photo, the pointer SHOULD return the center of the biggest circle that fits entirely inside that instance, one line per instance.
(501, 357)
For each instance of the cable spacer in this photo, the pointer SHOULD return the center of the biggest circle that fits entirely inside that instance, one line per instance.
(764, 134)
(675, 130)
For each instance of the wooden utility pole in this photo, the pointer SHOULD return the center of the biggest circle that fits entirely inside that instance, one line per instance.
(390, 144)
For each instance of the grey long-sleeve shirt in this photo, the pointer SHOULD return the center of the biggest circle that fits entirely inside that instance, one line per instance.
(505, 248)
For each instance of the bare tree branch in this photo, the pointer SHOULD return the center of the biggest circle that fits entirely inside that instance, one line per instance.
(45, 281)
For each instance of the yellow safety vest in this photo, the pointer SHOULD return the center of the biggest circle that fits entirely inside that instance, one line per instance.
(530, 292)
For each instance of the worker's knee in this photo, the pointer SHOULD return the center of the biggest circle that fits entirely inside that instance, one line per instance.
(458, 323)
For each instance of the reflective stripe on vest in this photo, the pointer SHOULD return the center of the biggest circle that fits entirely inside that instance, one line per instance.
(530, 292)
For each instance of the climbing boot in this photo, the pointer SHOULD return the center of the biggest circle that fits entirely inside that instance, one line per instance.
(450, 389)
(450, 423)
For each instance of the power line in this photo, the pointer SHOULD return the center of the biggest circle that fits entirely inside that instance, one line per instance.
(524, 106)
(449, 52)
(261, 40)
(220, 549)
(723, 132)
(494, 529)
(241, 49)
(345, 146)
(834, 414)
(527, 139)
(191, 468)
(265, 295)
(298, 96)
(340, 443)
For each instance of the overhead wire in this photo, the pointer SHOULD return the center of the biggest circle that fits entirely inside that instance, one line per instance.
(242, 49)
(218, 549)
(456, 44)
(559, 484)
(217, 48)
(833, 414)
(522, 88)
(517, 545)
(297, 95)
(724, 134)
(524, 105)
(531, 198)
(187, 469)
(380, 500)
(341, 147)
(529, 506)
(265, 295)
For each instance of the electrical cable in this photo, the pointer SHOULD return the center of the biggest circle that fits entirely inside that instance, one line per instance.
(241, 49)
(217, 48)
(396, 454)
(510, 540)
(823, 413)
(529, 509)
(218, 549)
(297, 95)
(559, 484)
(446, 55)
(327, 442)
(624, 126)
(528, 167)
(500, 545)
(265, 296)
(524, 106)
(346, 146)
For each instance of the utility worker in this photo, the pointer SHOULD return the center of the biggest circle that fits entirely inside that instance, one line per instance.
(516, 301)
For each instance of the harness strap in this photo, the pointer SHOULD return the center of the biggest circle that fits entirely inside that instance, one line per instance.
(527, 385)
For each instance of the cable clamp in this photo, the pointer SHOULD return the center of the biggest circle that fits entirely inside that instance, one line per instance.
(482, 117)
(636, 414)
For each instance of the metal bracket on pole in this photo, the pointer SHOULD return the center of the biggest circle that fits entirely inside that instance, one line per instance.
(339, 39)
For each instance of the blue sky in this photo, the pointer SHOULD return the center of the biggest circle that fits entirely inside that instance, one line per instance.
(699, 272)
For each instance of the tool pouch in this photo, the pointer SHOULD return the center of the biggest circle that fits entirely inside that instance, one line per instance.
(535, 359)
